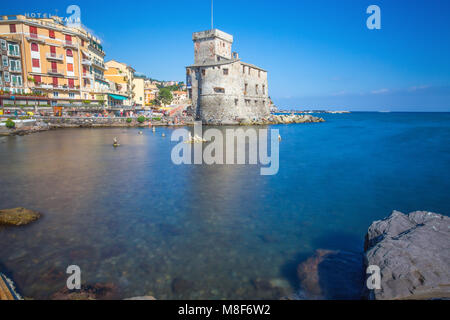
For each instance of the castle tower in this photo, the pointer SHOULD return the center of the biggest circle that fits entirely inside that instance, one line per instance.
(212, 45)
(224, 89)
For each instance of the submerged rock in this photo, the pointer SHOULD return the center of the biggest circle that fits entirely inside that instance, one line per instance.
(335, 275)
(413, 254)
(98, 291)
(180, 285)
(18, 216)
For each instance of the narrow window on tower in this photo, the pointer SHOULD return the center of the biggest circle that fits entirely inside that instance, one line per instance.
(225, 72)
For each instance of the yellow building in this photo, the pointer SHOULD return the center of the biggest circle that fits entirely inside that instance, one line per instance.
(60, 61)
(122, 76)
(139, 90)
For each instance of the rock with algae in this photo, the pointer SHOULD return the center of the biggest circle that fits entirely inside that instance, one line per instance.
(18, 216)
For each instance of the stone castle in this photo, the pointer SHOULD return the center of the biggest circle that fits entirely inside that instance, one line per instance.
(224, 89)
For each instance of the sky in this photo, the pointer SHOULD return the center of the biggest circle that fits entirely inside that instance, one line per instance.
(319, 53)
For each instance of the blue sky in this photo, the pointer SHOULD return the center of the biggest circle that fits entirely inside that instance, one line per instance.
(319, 53)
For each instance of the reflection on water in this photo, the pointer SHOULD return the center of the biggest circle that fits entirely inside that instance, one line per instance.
(131, 218)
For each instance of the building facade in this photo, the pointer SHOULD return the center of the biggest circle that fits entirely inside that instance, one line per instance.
(11, 72)
(122, 76)
(56, 59)
(139, 90)
(224, 89)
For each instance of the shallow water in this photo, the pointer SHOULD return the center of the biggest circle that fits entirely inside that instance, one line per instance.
(129, 217)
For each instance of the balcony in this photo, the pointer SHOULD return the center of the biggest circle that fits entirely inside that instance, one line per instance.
(99, 77)
(99, 64)
(35, 38)
(70, 44)
(54, 71)
(54, 56)
(86, 62)
(87, 75)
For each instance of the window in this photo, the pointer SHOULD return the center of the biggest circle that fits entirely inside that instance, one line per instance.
(6, 76)
(37, 79)
(203, 72)
(53, 50)
(68, 38)
(35, 63)
(55, 81)
(188, 72)
(13, 49)
(12, 28)
(55, 94)
(1, 77)
(70, 67)
(257, 89)
(16, 80)
(247, 102)
(3, 44)
(5, 61)
(219, 90)
(259, 73)
(69, 53)
(236, 101)
(33, 31)
(54, 67)
(218, 58)
(35, 47)
(243, 69)
(71, 95)
(245, 88)
(51, 34)
(225, 72)
(71, 83)
(249, 71)
(82, 43)
(264, 89)
(14, 65)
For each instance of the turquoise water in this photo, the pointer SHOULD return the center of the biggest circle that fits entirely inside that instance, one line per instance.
(131, 218)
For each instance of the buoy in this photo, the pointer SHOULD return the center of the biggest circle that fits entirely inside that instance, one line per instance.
(154, 129)
(140, 132)
(163, 135)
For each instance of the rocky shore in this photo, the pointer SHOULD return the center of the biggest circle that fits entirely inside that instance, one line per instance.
(282, 119)
(413, 254)
(411, 250)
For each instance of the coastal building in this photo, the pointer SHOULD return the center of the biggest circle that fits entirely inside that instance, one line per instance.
(63, 63)
(224, 89)
(11, 72)
(150, 92)
(179, 97)
(139, 89)
(122, 76)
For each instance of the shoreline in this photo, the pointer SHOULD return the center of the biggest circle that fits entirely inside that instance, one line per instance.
(42, 125)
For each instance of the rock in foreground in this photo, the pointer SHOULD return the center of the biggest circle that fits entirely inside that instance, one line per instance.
(413, 253)
(18, 216)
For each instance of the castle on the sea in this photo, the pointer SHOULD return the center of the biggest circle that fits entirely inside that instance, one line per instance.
(224, 89)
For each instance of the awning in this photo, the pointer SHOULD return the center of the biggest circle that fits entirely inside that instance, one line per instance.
(116, 97)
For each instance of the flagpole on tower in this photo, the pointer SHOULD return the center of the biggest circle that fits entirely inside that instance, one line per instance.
(212, 14)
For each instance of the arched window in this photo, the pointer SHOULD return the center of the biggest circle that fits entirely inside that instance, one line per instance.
(34, 47)
(69, 53)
